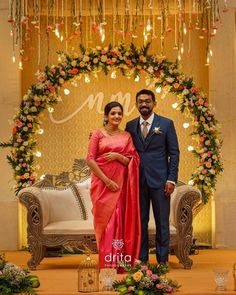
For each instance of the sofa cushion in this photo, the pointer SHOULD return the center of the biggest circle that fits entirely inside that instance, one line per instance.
(64, 204)
(73, 227)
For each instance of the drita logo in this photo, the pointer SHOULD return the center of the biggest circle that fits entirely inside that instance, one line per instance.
(118, 257)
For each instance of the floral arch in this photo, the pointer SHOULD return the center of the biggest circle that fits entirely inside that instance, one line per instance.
(129, 61)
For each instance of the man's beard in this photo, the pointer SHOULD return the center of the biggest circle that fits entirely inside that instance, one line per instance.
(145, 112)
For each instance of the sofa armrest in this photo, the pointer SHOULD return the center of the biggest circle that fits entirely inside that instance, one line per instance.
(187, 198)
(37, 209)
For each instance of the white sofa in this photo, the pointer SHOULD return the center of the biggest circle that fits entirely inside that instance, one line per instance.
(61, 216)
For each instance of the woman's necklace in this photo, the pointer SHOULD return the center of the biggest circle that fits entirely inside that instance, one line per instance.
(112, 132)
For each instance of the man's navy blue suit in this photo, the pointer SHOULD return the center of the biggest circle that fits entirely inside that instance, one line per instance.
(159, 159)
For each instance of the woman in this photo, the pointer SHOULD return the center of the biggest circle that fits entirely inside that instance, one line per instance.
(115, 190)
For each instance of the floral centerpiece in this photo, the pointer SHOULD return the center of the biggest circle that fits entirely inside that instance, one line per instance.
(14, 279)
(145, 279)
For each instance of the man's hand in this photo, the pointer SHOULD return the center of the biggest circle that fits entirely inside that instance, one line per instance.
(169, 188)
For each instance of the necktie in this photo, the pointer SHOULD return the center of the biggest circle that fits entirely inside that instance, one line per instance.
(145, 129)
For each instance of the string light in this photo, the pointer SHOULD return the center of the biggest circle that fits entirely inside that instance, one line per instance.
(175, 105)
(86, 79)
(42, 177)
(186, 125)
(182, 48)
(66, 91)
(38, 154)
(137, 78)
(191, 182)
(190, 148)
(158, 89)
(13, 59)
(40, 131)
(20, 65)
(113, 75)
(51, 110)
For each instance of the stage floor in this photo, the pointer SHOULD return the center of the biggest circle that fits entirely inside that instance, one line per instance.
(58, 276)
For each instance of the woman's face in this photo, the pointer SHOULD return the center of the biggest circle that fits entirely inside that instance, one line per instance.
(115, 116)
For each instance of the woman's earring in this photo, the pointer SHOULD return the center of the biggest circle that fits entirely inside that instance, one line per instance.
(105, 121)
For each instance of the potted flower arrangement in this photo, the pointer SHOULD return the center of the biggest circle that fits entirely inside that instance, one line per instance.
(145, 279)
(14, 279)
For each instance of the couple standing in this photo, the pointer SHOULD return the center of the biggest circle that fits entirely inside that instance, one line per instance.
(131, 169)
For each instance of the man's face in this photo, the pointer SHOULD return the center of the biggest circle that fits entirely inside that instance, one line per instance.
(145, 105)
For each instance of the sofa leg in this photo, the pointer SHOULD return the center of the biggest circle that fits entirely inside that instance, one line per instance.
(182, 253)
(37, 251)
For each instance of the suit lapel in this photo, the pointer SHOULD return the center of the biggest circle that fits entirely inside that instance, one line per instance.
(155, 123)
(137, 132)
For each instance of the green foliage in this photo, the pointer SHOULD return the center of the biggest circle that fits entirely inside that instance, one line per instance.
(14, 279)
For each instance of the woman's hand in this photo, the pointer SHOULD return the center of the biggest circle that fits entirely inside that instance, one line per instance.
(112, 185)
(111, 156)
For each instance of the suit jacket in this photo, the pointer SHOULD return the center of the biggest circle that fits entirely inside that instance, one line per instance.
(159, 152)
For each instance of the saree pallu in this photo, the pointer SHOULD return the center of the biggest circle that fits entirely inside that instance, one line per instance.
(116, 214)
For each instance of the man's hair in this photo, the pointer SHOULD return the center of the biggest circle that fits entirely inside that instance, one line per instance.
(146, 91)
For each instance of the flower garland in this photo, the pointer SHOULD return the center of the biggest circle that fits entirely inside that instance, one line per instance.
(130, 61)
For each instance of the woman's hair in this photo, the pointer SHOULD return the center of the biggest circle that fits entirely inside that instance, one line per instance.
(146, 91)
(108, 108)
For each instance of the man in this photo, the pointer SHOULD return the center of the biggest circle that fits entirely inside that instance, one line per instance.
(155, 139)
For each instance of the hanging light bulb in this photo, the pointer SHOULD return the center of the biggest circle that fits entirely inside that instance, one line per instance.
(57, 32)
(20, 65)
(13, 59)
(62, 38)
(158, 89)
(148, 27)
(11, 33)
(40, 131)
(136, 79)
(186, 125)
(211, 52)
(113, 74)
(66, 91)
(59, 58)
(182, 48)
(102, 33)
(86, 79)
(179, 56)
(175, 105)
(190, 148)
(184, 28)
(207, 59)
(51, 110)
(38, 154)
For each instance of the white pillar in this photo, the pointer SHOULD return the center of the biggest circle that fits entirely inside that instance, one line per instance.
(223, 96)
(9, 100)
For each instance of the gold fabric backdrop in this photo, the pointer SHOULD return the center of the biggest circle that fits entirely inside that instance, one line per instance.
(66, 130)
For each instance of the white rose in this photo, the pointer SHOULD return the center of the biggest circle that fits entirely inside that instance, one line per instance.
(95, 60)
(170, 79)
(103, 58)
(86, 58)
(185, 91)
(74, 62)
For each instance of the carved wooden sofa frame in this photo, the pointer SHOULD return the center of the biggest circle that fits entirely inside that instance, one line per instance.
(185, 202)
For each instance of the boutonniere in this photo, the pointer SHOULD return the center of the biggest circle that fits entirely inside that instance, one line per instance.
(157, 130)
